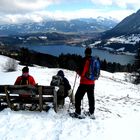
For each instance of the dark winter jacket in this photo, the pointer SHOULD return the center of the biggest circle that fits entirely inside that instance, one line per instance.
(67, 86)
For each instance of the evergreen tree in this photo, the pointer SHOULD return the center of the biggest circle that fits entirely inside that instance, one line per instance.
(25, 56)
(137, 66)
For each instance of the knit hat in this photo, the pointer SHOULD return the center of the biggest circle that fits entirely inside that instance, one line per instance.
(88, 51)
(60, 73)
(25, 69)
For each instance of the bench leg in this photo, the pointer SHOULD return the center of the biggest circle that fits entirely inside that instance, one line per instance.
(8, 98)
(40, 98)
(55, 101)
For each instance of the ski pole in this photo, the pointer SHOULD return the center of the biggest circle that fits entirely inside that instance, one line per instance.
(73, 90)
(82, 102)
(74, 83)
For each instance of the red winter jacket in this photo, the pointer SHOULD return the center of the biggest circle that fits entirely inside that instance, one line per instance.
(85, 67)
(31, 80)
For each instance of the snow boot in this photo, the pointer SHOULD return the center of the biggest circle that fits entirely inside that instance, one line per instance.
(87, 113)
(76, 115)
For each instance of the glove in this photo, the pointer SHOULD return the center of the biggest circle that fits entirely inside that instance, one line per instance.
(71, 96)
(69, 92)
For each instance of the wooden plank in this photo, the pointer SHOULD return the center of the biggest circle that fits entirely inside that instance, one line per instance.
(2, 92)
(7, 97)
(47, 90)
(20, 92)
(2, 89)
(27, 87)
(40, 97)
(3, 97)
(48, 99)
(55, 100)
(22, 89)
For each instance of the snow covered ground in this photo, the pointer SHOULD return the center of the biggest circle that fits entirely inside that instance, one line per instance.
(117, 111)
(132, 39)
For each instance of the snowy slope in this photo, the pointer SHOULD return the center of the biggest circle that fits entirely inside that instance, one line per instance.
(117, 111)
(129, 39)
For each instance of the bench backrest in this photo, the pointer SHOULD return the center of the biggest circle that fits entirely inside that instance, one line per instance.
(41, 93)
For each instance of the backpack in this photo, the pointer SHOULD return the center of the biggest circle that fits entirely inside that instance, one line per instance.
(24, 81)
(56, 81)
(93, 70)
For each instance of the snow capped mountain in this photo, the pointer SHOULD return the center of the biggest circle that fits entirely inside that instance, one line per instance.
(75, 25)
(129, 25)
(124, 37)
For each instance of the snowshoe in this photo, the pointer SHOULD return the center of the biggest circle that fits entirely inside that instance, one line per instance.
(47, 108)
(2, 107)
(87, 113)
(33, 107)
(75, 115)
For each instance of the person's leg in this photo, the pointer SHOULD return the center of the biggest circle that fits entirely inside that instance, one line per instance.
(60, 96)
(91, 98)
(78, 97)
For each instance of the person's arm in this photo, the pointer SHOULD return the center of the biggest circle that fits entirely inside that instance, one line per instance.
(17, 82)
(79, 69)
(85, 68)
(67, 84)
(32, 81)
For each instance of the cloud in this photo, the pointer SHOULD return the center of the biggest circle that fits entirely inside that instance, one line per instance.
(15, 11)
(28, 17)
(102, 2)
(23, 6)
(67, 15)
(125, 4)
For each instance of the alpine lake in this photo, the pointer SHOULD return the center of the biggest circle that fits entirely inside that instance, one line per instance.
(57, 50)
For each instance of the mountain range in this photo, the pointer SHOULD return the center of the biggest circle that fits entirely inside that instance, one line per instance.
(115, 37)
(76, 25)
(124, 37)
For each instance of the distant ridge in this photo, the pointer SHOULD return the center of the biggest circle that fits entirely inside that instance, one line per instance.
(76, 25)
(129, 25)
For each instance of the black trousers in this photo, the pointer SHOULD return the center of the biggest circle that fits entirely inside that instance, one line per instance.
(82, 89)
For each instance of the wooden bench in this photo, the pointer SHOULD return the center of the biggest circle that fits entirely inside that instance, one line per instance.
(27, 94)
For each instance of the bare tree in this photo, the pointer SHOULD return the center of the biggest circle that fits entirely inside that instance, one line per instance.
(10, 65)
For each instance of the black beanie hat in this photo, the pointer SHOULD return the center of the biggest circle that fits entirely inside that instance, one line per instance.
(25, 69)
(88, 51)
(60, 73)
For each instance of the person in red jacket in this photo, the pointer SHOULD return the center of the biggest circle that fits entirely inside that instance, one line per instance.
(86, 86)
(25, 78)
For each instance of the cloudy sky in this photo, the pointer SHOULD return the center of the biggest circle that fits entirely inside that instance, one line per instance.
(14, 11)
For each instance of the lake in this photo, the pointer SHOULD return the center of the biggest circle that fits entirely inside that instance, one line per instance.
(56, 50)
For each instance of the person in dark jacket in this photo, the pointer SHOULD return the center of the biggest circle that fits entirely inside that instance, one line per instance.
(86, 86)
(66, 83)
(64, 88)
